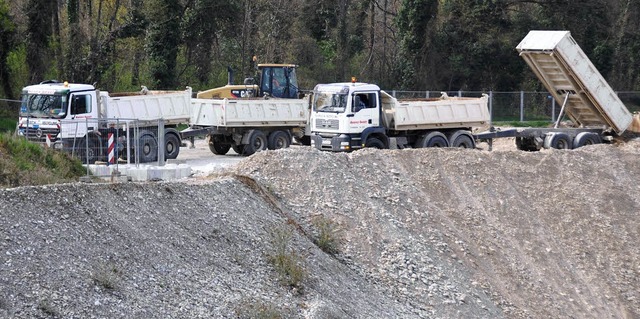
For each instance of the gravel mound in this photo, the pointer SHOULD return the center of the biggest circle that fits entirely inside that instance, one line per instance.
(422, 233)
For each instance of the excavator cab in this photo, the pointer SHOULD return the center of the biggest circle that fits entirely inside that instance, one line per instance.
(276, 80)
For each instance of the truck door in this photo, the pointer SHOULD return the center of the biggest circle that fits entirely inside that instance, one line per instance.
(365, 111)
(83, 114)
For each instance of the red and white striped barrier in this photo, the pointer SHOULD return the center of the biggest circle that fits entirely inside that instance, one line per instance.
(111, 150)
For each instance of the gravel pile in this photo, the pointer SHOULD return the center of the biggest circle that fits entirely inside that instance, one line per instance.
(425, 233)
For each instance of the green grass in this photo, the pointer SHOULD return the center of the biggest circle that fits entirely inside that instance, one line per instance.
(24, 163)
(7, 125)
(523, 123)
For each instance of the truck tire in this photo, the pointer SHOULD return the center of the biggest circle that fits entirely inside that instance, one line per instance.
(256, 142)
(238, 149)
(278, 140)
(586, 138)
(219, 148)
(374, 142)
(148, 148)
(171, 146)
(91, 154)
(433, 139)
(557, 140)
(527, 144)
(461, 139)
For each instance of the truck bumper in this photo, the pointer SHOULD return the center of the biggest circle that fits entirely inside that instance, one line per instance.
(339, 143)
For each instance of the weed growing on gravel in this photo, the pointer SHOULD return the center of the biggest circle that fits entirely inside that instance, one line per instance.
(258, 310)
(286, 262)
(107, 276)
(327, 237)
(48, 309)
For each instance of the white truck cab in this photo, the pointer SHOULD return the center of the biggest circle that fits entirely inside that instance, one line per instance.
(342, 113)
(45, 105)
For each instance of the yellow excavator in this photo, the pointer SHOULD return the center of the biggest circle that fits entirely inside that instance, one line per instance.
(276, 80)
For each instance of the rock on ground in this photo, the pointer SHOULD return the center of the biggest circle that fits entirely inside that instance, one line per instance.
(423, 233)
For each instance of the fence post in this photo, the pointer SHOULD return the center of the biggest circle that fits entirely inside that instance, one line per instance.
(490, 109)
(521, 106)
(161, 146)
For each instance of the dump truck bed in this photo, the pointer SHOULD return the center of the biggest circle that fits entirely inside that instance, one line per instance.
(563, 68)
(249, 112)
(442, 113)
(172, 106)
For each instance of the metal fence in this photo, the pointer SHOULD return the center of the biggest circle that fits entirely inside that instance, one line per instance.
(518, 106)
(108, 142)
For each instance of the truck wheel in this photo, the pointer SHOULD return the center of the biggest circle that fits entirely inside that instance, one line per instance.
(278, 140)
(219, 148)
(148, 148)
(374, 143)
(526, 144)
(557, 140)
(461, 139)
(257, 142)
(238, 149)
(171, 146)
(91, 154)
(586, 138)
(433, 139)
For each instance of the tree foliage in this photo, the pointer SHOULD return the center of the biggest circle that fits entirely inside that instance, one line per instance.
(398, 44)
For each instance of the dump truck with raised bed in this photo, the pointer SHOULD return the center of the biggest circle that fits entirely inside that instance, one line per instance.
(350, 116)
(78, 117)
(248, 125)
(589, 102)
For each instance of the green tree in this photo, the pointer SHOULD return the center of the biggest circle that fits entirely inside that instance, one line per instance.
(163, 41)
(7, 40)
(39, 15)
(202, 31)
(414, 26)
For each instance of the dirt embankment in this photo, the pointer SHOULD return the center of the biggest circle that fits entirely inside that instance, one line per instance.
(429, 233)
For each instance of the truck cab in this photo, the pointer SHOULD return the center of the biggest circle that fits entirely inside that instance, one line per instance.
(45, 105)
(345, 115)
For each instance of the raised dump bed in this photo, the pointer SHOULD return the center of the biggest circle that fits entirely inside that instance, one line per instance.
(573, 81)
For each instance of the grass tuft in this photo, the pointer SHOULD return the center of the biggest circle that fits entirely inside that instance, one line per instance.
(107, 276)
(287, 263)
(327, 235)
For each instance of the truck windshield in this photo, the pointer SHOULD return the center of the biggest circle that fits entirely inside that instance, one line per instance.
(46, 106)
(329, 102)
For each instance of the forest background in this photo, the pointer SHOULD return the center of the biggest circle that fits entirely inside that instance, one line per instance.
(398, 44)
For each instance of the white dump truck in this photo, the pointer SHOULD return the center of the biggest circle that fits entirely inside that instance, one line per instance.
(248, 125)
(349, 116)
(77, 118)
(574, 82)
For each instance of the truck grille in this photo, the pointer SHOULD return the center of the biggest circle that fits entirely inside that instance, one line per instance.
(327, 124)
(40, 135)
